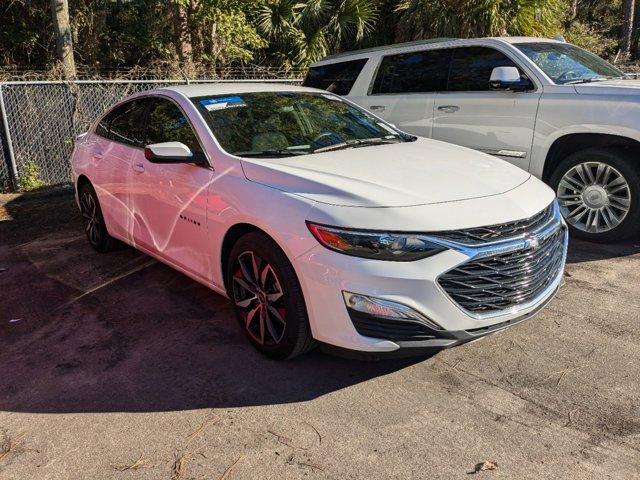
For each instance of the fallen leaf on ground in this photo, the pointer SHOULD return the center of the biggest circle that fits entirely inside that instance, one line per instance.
(484, 466)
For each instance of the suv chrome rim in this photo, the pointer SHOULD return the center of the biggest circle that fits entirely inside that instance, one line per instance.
(258, 294)
(89, 211)
(594, 197)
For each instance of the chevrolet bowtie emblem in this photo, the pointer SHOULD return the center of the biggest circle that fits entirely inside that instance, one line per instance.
(531, 243)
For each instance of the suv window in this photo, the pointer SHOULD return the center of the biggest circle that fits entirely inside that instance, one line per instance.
(336, 78)
(124, 124)
(167, 123)
(471, 68)
(424, 71)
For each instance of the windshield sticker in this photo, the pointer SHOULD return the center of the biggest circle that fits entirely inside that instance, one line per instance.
(221, 103)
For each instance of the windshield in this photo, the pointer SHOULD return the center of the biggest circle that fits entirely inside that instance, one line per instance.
(276, 124)
(565, 63)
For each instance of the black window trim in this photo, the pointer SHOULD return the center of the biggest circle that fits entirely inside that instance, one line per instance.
(146, 114)
(527, 71)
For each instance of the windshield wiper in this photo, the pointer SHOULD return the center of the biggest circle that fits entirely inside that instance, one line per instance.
(588, 80)
(357, 143)
(271, 153)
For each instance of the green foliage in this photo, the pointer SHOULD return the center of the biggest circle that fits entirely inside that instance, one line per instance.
(114, 34)
(479, 18)
(587, 37)
(30, 178)
(303, 32)
(232, 38)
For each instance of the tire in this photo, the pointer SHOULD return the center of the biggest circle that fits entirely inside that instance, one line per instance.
(593, 197)
(93, 220)
(271, 301)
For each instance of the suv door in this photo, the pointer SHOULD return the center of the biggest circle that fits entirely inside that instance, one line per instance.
(169, 201)
(471, 114)
(404, 89)
(117, 136)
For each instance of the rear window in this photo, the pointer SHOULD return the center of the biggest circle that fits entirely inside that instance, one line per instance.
(413, 72)
(336, 78)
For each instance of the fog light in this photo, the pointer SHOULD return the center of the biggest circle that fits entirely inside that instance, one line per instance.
(378, 307)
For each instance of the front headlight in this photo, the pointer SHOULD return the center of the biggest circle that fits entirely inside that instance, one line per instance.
(398, 247)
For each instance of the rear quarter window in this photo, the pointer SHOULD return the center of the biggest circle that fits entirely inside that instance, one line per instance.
(336, 78)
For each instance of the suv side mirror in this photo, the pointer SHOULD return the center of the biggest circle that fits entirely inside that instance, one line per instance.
(172, 152)
(508, 78)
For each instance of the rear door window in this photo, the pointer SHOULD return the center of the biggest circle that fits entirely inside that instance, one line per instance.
(125, 124)
(336, 78)
(471, 68)
(413, 72)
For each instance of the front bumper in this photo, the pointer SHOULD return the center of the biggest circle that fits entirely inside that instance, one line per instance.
(325, 274)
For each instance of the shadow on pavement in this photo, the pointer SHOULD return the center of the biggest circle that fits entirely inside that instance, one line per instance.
(145, 338)
(84, 332)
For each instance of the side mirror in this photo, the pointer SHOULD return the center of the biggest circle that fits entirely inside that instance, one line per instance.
(508, 78)
(172, 152)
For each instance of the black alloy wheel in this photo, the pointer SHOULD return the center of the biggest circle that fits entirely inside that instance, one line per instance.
(93, 221)
(267, 296)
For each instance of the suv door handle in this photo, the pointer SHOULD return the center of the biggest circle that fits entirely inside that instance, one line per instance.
(377, 108)
(449, 108)
(138, 167)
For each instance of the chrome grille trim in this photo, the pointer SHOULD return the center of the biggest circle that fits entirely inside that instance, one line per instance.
(501, 232)
(506, 277)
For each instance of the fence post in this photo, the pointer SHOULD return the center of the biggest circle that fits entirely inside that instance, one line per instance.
(11, 163)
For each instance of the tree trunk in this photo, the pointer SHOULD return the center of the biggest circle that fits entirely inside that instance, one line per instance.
(573, 13)
(195, 30)
(635, 35)
(183, 36)
(627, 27)
(64, 43)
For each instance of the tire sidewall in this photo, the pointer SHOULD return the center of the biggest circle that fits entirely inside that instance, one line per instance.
(297, 323)
(621, 160)
(103, 244)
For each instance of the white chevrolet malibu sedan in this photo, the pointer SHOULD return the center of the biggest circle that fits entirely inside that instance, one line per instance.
(320, 221)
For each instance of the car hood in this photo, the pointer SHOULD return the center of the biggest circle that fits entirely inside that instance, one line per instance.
(610, 87)
(394, 175)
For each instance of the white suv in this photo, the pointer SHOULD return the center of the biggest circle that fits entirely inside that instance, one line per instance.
(549, 107)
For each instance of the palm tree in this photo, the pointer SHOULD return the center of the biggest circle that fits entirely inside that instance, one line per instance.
(478, 18)
(303, 32)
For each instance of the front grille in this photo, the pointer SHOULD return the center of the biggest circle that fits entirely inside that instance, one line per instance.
(396, 330)
(504, 231)
(499, 282)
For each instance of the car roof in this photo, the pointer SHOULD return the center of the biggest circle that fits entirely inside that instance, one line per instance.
(448, 42)
(230, 87)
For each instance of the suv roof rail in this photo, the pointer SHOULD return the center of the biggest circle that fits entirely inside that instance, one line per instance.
(388, 47)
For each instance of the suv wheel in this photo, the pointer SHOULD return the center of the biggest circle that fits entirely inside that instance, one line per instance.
(268, 298)
(94, 226)
(599, 194)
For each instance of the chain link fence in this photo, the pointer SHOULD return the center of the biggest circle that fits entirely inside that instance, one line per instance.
(40, 121)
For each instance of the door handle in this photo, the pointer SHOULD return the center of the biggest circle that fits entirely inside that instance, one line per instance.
(98, 154)
(138, 167)
(449, 108)
(377, 108)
